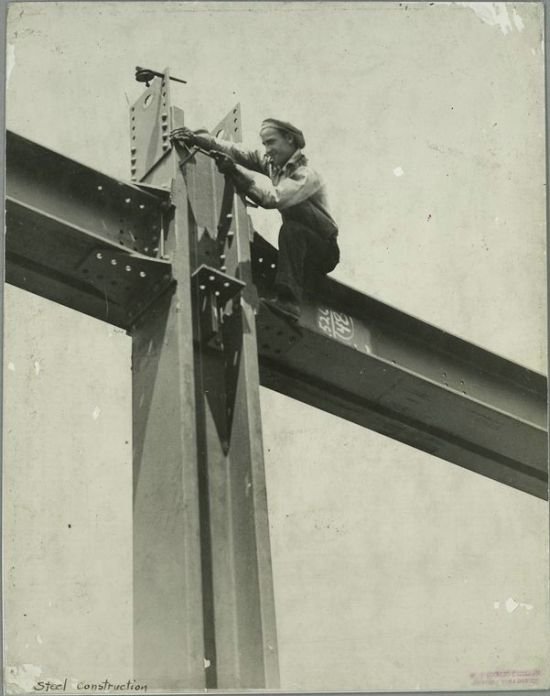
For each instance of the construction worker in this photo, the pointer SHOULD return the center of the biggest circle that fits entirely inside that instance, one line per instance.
(308, 247)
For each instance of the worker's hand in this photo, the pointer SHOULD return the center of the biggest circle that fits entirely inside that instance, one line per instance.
(224, 163)
(183, 135)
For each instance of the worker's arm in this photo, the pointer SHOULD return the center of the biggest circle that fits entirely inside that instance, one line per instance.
(300, 186)
(251, 159)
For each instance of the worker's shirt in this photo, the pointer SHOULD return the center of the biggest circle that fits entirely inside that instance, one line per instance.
(295, 189)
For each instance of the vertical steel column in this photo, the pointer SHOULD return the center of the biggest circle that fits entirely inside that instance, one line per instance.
(168, 611)
(241, 641)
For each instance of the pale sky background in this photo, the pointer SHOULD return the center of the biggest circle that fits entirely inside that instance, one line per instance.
(392, 569)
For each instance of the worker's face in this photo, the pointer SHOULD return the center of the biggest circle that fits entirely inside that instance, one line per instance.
(278, 146)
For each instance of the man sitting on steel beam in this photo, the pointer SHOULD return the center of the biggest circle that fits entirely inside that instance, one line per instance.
(308, 246)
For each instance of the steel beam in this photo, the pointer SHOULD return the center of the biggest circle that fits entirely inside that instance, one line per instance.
(168, 595)
(81, 238)
(371, 364)
(241, 639)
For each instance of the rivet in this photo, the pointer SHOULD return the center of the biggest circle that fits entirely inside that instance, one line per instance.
(211, 278)
(260, 260)
(164, 126)
(273, 265)
(141, 206)
(226, 285)
(231, 234)
(229, 216)
(217, 293)
(99, 255)
(142, 274)
(165, 146)
(222, 257)
(128, 268)
(113, 262)
(202, 287)
(133, 150)
(100, 188)
(223, 268)
(128, 200)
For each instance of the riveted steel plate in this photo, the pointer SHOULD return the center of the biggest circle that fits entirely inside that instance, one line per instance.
(130, 280)
(150, 126)
(208, 280)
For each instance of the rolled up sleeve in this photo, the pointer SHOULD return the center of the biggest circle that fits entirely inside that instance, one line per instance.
(298, 187)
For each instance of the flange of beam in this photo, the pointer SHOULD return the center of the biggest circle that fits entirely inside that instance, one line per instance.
(367, 362)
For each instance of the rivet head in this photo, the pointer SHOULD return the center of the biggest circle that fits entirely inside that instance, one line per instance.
(142, 274)
(226, 285)
(217, 293)
(128, 200)
(273, 265)
(211, 278)
(141, 206)
(113, 262)
(223, 268)
(202, 287)
(100, 188)
(99, 255)
(128, 268)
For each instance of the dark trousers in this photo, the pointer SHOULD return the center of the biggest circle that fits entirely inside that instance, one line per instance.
(304, 257)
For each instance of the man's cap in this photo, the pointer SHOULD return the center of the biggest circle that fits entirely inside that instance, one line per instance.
(285, 127)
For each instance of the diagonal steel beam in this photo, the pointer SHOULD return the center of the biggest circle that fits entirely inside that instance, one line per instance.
(380, 368)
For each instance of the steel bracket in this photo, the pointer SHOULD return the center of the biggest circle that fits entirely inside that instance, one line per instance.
(213, 290)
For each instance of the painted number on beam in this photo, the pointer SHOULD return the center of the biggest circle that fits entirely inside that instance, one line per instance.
(335, 324)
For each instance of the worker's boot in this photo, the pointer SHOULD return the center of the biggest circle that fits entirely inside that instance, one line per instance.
(284, 303)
